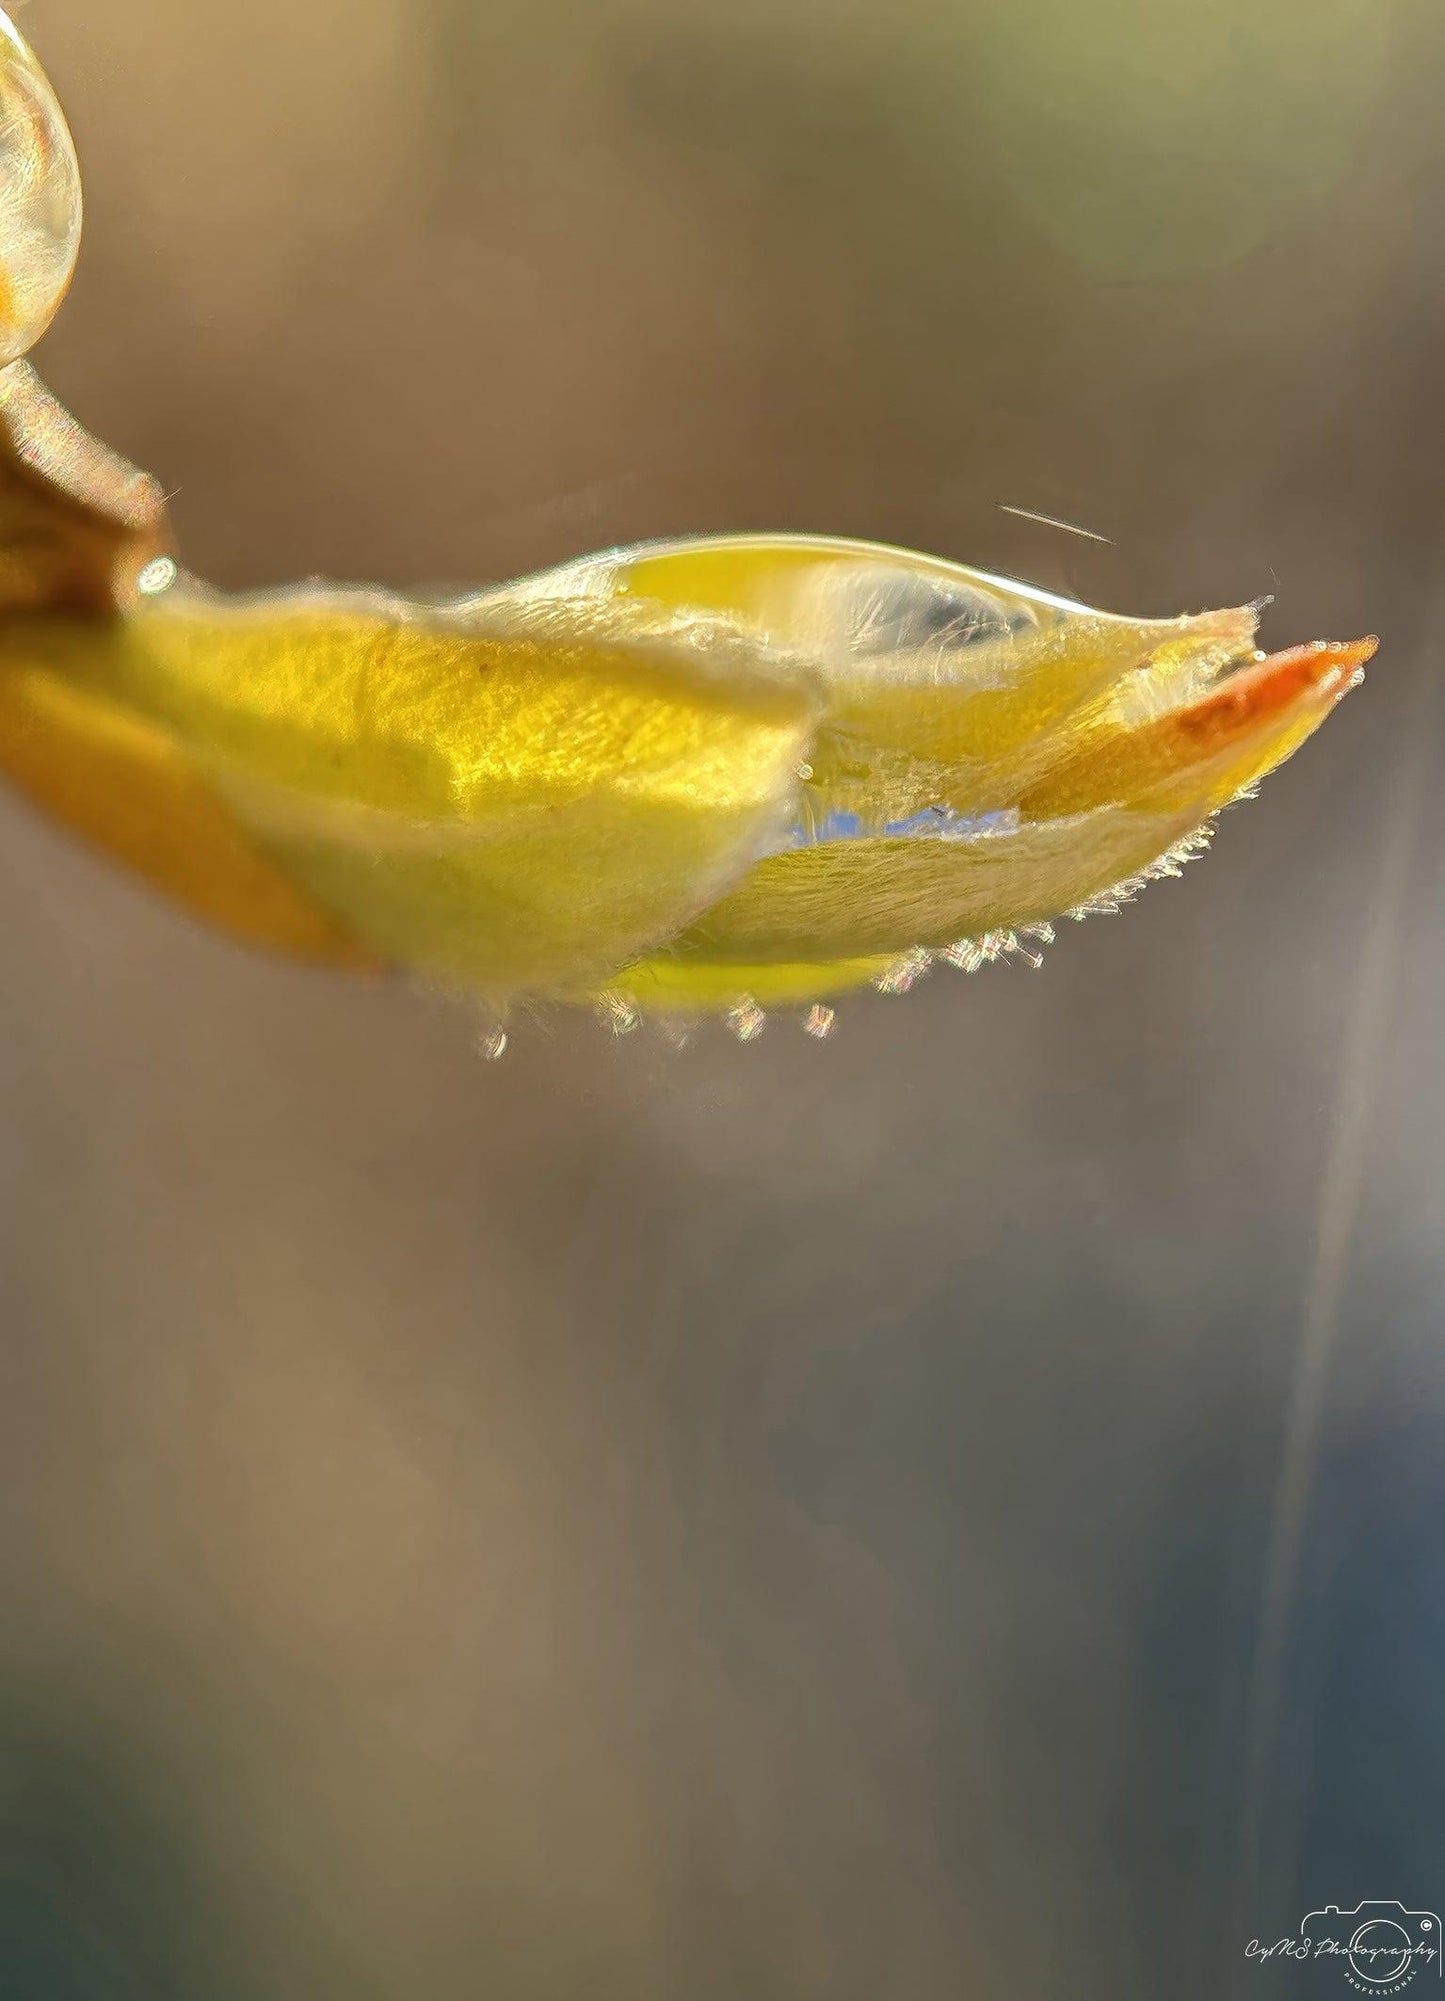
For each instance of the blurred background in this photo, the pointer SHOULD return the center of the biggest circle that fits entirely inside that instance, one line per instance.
(952, 1512)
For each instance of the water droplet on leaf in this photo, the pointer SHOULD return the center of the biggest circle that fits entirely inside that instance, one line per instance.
(40, 206)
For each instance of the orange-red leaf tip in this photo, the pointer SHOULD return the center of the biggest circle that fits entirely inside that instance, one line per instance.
(1274, 684)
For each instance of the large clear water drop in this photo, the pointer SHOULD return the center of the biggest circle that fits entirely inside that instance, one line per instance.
(40, 204)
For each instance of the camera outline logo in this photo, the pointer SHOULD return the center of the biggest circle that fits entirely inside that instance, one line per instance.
(1383, 1945)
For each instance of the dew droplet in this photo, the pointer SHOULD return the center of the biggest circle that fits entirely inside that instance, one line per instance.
(819, 1023)
(964, 955)
(747, 1020)
(493, 1044)
(905, 973)
(619, 1014)
(40, 207)
(157, 577)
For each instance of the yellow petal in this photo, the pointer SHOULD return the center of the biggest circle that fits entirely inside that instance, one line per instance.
(1198, 757)
(672, 984)
(517, 801)
(1120, 800)
(124, 786)
(840, 757)
(874, 899)
(946, 686)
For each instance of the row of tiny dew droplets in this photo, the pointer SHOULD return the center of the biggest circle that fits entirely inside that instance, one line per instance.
(747, 1019)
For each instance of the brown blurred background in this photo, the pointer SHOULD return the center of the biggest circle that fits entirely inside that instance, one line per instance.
(955, 1512)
